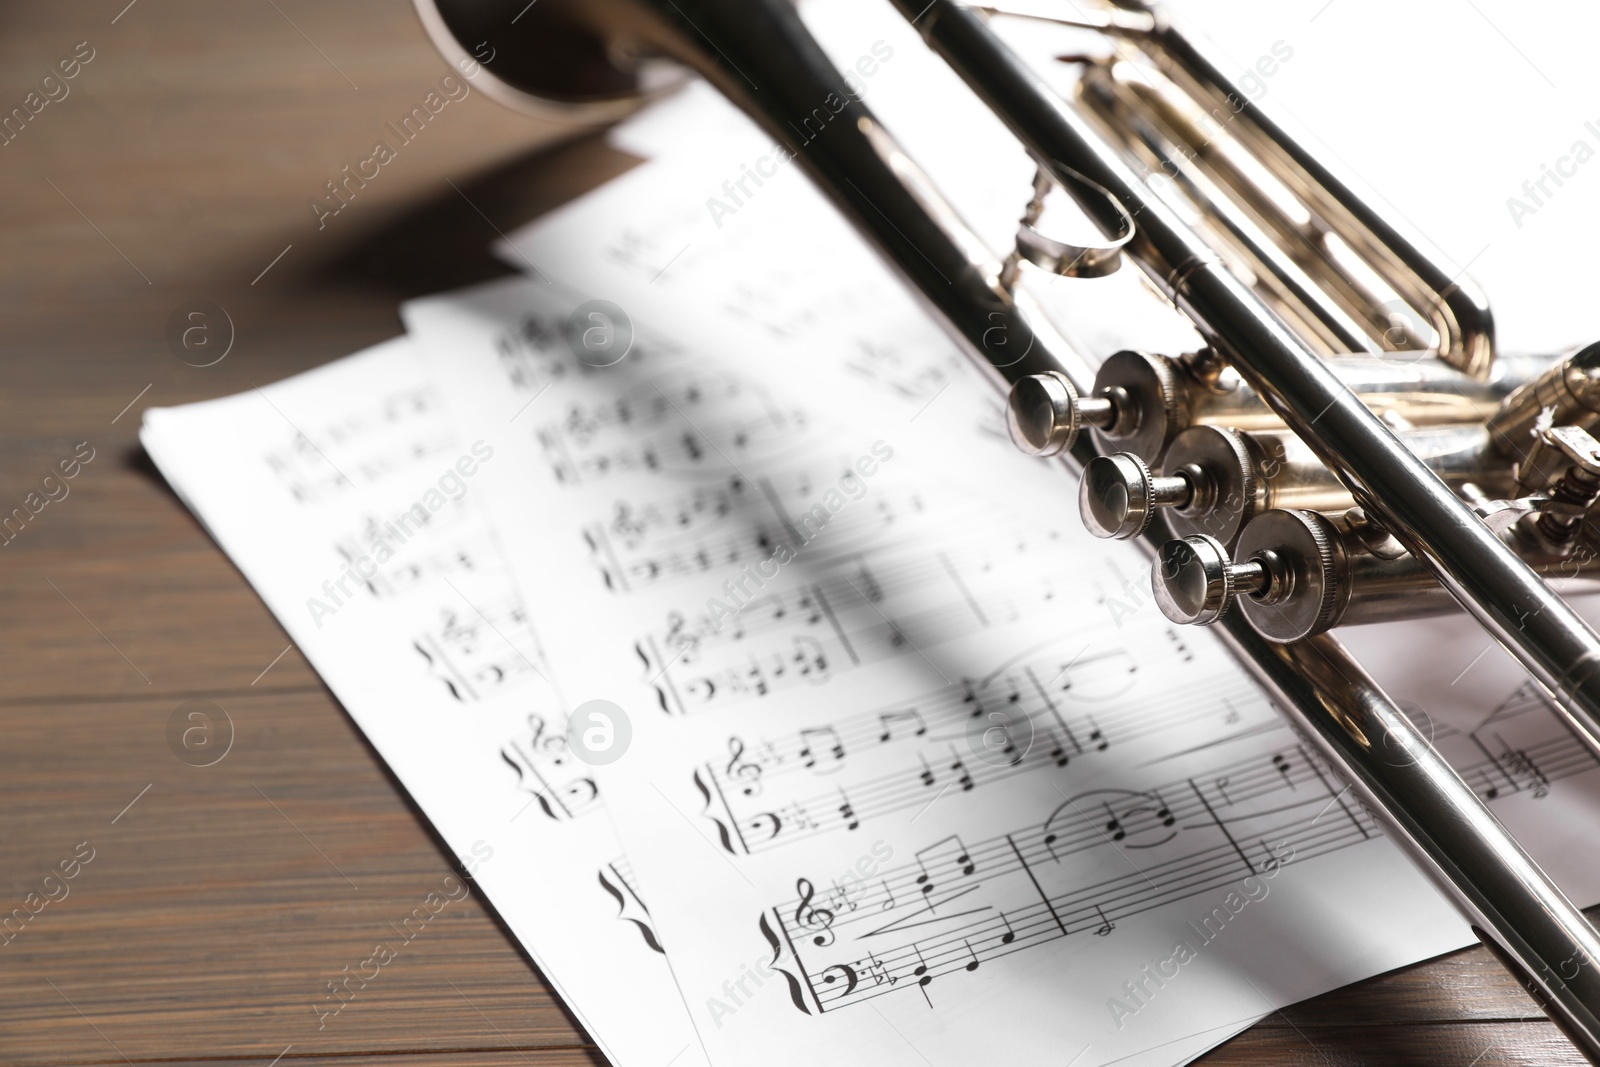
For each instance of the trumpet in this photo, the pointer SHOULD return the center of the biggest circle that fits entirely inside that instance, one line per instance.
(1347, 446)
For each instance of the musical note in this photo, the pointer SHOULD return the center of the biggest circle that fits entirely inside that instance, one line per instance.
(1010, 935)
(1164, 813)
(959, 860)
(969, 697)
(1100, 677)
(1220, 784)
(846, 812)
(1106, 925)
(921, 969)
(927, 772)
(1135, 820)
(1114, 825)
(892, 718)
(1097, 737)
(691, 447)
(972, 965)
(963, 776)
(827, 739)
(1282, 764)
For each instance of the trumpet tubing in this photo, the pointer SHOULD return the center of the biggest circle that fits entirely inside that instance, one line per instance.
(1216, 480)
(1141, 401)
(1304, 573)
(1348, 446)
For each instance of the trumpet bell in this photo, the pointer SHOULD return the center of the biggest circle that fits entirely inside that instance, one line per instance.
(545, 61)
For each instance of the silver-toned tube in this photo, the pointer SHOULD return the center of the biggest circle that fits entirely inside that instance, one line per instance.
(1453, 304)
(1301, 573)
(1136, 107)
(1215, 480)
(1437, 819)
(1555, 645)
(1278, 471)
(1159, 397)
(1571, 392)
(1320, 578)
(1333, 219)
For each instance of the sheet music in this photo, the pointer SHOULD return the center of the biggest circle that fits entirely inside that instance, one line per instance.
(938, 782)
(647, 242)
(355, 509)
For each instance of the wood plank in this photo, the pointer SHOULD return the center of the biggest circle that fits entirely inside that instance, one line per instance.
(506, 1056)
(212, 913)
(1512, 1044)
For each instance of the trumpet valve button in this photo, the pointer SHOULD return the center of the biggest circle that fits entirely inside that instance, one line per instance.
(1119, 495)
(1194, 581)
(1044, 413)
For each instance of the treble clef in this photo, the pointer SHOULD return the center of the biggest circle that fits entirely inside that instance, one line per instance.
(742, 769)
(812, 917)
(539, 740)
(680, 637)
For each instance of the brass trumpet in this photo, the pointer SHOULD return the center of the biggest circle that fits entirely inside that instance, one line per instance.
(1333, 342)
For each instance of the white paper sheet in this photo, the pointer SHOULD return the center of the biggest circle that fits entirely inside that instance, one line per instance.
(354, 508)
(776, 757)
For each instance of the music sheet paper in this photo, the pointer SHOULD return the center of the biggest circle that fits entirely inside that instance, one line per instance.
(917, 773)
(353, 507)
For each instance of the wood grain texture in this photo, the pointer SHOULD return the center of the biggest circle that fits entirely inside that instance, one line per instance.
(219, 904)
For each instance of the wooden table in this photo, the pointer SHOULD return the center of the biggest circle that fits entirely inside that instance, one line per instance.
(182, 165)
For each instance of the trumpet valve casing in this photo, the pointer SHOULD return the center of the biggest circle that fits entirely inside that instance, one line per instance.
(1214, 481)
(1312, 573)
(1232, 474)
(1569, 390)
(1158, 397)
